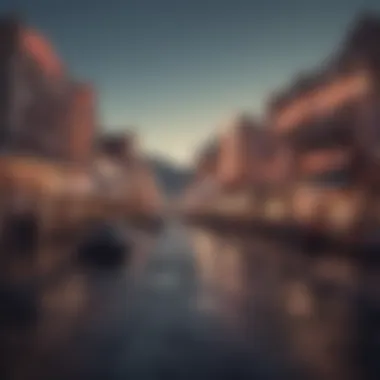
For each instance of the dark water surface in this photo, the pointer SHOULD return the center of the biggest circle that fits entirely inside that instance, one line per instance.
(318, 314)
(197, 304)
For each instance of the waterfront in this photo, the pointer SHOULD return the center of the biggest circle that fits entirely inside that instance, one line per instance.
(317, 311)
(200, 304)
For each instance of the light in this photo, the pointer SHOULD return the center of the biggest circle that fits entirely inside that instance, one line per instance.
(342, 214)
(304, 202)
(274, 209)
(238, 204)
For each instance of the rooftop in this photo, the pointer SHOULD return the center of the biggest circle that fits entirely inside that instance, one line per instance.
(361, 46)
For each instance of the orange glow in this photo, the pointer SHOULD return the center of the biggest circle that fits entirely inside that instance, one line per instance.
(30, 172)
(322, 101)
(42, 51)
(322, 160)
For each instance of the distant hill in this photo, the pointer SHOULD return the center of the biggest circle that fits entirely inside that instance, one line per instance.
(172, 178)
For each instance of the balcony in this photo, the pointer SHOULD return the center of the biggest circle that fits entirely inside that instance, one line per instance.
(325, 160)
(321, 134)
(341, 94)
(335, 178)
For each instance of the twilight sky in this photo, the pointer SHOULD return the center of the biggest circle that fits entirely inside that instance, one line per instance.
(174, 69)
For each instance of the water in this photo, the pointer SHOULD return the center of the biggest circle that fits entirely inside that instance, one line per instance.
(201, 304)
(318, 313)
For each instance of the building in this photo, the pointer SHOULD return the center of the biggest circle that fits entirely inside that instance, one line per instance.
(235, 147)
(81, 123)
(273, 163)
(329, 119)
(207, 161)
(115, 164)
(243, 146)
(33, 92)
(121, 146)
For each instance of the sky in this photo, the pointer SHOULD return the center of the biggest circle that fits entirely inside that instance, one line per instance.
(173, 70)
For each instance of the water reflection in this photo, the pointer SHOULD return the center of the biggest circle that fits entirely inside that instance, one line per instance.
(302, 310)
(218, 264)
(56, 313)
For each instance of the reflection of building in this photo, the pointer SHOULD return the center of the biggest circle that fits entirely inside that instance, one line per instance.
(33, 92)
(329, 118)
(284, 302)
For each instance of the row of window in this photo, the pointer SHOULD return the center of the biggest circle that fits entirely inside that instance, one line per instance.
(332, 178)
(338, 129)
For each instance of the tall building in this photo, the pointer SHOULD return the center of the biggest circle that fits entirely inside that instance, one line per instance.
(33, 92)
(330, 118)
(242, 145)
(81, 123)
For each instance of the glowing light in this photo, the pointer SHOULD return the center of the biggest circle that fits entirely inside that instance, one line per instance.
(41, 50)
(322, 101)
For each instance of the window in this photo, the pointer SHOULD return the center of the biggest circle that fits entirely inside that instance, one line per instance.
(336, 130)
(336, 178)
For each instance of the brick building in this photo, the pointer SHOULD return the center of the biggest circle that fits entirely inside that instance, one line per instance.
(273, 162)
(242, 144)
(33, 92)
(81, 123)
(329, 119)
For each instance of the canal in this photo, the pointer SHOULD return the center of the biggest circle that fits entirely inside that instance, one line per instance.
(202, 304)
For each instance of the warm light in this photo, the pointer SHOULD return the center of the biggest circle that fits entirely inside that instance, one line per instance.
(274, 209)
(41, 50)
(299, 301)
(305, 202)
(342, 213)
(237, 203)
(322, 101)
(320, 160)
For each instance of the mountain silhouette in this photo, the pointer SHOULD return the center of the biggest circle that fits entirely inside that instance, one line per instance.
(172, 178)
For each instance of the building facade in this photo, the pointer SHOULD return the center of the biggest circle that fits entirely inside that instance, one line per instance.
(81, 124)
(34, 92)
(329, 122)
(241, 143)
(330, 119)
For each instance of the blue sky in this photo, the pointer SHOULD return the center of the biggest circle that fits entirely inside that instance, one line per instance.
(174, 69)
